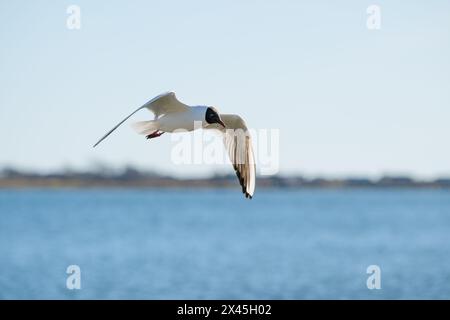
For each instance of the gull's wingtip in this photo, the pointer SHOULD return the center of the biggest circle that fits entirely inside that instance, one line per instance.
(98, 142)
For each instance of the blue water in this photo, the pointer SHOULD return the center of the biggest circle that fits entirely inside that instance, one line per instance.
(184, 244)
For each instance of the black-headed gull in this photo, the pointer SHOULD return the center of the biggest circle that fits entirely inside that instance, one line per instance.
(171, 115)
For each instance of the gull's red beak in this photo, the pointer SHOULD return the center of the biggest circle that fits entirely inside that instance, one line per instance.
(221, 123)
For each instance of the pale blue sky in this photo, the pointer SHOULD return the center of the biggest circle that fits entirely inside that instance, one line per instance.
(346, 100)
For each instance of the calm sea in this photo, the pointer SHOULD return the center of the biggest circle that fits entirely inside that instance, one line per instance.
(194, 244)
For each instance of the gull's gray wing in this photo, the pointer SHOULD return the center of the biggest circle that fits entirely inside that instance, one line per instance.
(237, 141)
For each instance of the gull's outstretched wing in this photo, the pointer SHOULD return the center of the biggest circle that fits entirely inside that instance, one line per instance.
(162, 104)
(238, 143)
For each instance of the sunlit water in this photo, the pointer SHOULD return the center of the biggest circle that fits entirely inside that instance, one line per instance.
(183, 244)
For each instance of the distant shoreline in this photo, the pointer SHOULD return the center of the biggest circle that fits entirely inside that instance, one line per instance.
(211, 187)
(132, 178)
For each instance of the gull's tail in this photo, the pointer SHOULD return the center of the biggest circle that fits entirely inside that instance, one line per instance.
(146, 127)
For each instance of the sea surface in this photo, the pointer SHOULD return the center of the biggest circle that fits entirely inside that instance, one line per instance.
(214, 244)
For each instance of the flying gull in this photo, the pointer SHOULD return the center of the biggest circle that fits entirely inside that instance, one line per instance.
(171, 114)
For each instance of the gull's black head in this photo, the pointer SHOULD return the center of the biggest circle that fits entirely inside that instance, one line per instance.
(212, 116)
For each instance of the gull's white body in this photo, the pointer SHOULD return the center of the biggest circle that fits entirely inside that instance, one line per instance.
(171, 115)
(183, 120)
